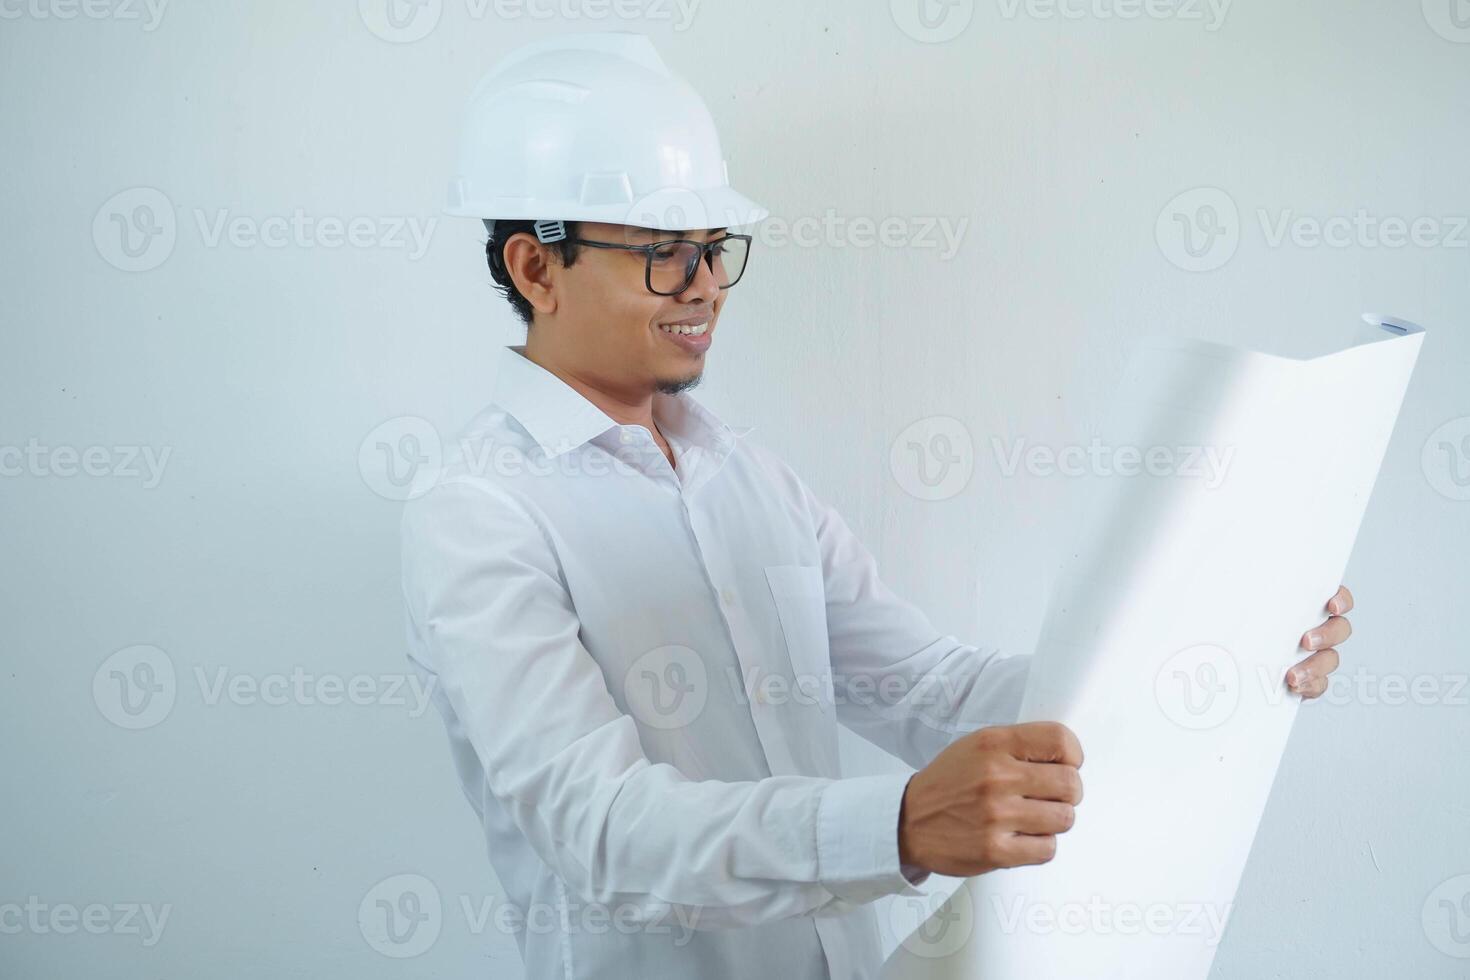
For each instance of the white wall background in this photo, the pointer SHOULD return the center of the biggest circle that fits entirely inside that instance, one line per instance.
(263, 549)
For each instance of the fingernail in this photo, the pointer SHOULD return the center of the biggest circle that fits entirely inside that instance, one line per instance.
(1299, 677)
(1314, 640)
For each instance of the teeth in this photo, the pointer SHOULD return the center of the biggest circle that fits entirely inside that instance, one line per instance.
(688, 330)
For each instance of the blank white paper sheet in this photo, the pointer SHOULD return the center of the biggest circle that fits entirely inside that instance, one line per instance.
(1165, 648)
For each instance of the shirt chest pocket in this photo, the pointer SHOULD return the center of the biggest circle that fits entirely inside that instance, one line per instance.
(801, 606)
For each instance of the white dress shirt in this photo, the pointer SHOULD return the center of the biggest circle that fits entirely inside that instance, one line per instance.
(642, 668)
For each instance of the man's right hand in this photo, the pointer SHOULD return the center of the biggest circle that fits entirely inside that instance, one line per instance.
(995, 798)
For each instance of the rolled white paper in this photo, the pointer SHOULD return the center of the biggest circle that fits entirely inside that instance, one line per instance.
(1165, 648)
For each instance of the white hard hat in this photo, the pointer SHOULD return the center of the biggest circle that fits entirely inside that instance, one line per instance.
(593, 127)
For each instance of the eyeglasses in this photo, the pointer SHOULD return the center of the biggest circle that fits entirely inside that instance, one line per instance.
(669, 267)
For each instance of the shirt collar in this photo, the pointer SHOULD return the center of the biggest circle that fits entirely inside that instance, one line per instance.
(561, 419)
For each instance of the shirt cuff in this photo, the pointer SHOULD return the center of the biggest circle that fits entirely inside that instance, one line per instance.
(857, 838)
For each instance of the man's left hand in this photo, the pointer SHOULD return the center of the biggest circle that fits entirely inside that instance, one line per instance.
(1309, 678)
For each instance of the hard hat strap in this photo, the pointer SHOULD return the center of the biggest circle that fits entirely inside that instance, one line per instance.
(546, 231)
(550, 231)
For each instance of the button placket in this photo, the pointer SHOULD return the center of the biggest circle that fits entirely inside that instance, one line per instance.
(769, 726)
(647, 458)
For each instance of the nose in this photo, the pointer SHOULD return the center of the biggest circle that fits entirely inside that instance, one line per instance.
(703, 285)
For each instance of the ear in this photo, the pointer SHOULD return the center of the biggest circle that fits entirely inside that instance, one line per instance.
(529, 265)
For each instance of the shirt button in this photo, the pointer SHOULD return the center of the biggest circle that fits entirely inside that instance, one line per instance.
(626, 436)
(727, 597)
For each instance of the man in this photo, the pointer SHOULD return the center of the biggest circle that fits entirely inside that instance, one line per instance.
(643, 628)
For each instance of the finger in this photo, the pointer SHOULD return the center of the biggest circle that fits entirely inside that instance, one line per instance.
(1043, 817)
(1319, 664)
(1316, 687)
(1340, 603)
(1048, 781)
(1310, 677)
(1021, 849)
(1045, 741)
(1336, 630)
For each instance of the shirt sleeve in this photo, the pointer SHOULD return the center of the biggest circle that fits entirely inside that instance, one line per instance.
(898, 682)
(486, 598)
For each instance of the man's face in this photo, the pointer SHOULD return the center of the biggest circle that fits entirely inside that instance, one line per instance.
(610, 329)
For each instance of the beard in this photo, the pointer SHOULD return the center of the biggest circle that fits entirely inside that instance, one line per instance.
(674, 387)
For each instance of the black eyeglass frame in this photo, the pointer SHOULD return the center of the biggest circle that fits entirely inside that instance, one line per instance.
(702, 256)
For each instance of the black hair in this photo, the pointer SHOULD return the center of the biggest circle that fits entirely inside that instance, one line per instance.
(565, 251)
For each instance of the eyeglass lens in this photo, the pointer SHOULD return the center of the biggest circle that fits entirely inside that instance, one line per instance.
(672, 266)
